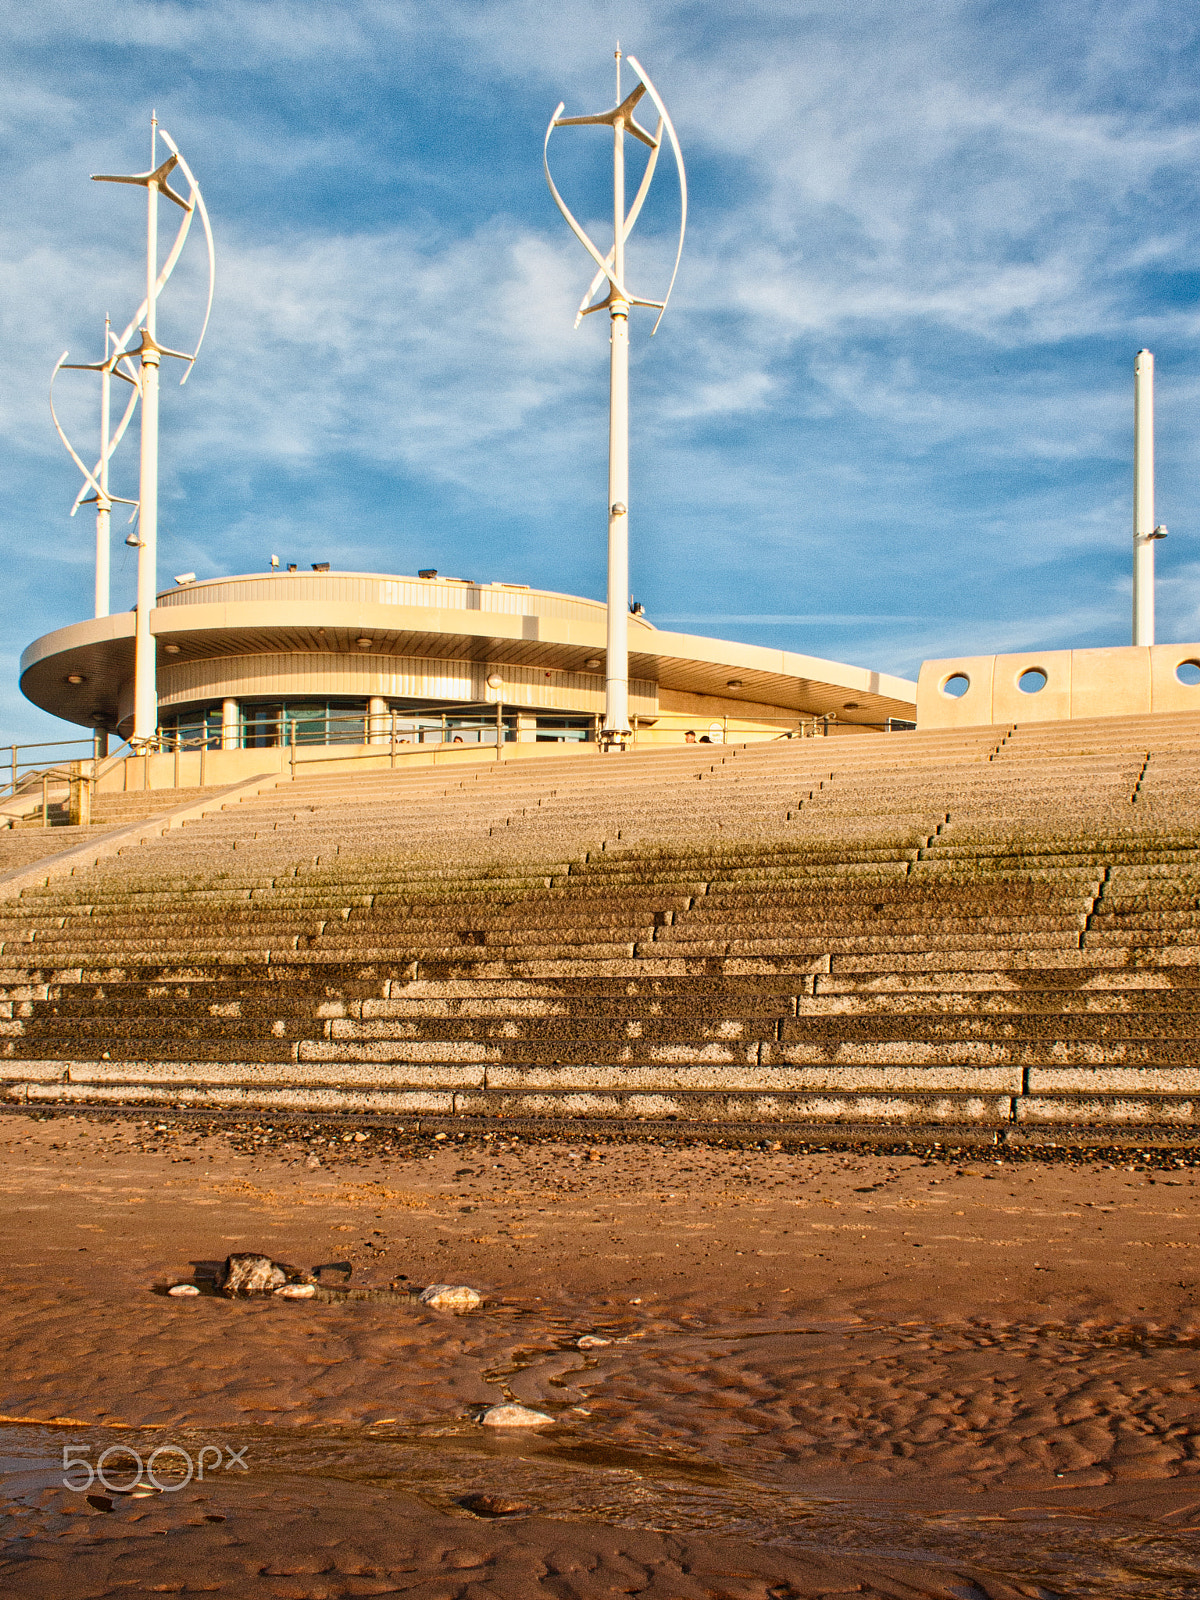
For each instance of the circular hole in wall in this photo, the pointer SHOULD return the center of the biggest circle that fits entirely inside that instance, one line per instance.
(956, 685)
(1032, 681)
(1188, 672)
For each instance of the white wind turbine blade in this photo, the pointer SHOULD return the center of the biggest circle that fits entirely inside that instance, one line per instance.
(116, 438)
(639, 201)
(70, 448)
(197, 200)
(568, 216)
(678, 153)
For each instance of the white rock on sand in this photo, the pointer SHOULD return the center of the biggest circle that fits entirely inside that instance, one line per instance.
(182, 1291)
(514, 1417)
(296, 1291)
(590, 1341)
(451, 1297)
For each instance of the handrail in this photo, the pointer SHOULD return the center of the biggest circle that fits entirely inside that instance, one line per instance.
(372, 729)
(29, 771)
(477, 723)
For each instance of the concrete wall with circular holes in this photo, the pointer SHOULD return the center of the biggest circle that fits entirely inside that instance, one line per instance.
(1058, 685)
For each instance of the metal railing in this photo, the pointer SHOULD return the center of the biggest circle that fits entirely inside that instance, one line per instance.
(23, 771)
(738, 730)
(470, 724)
(27, 773)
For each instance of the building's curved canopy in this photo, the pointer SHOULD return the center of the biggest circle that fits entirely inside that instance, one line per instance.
(423, 640)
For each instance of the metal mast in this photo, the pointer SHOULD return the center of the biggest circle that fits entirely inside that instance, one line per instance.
(103, 499)
(618, 301)
(1144, 530)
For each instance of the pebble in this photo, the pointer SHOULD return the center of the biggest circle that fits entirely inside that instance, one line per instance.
(514, 1417)
(296, 1291)
(182, 1291)
(313, 1162)
(590, 1341)
(246, 1272)
(451, 1297)
(494, 1505)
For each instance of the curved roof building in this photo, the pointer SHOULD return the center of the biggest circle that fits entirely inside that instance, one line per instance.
(239, 655)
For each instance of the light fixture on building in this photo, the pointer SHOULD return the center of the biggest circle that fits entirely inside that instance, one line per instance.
(185, 577)
(171, 649)
(733, 683)
(495, 681)
(75, 678)
(132, 540)
(851, 705)
(364, 643)
(593, 663)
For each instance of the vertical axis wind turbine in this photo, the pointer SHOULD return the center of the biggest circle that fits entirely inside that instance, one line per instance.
(617, 301)
(156, 183)
(97, 479)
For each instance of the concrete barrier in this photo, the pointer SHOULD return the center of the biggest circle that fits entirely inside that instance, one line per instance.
(1124, 681)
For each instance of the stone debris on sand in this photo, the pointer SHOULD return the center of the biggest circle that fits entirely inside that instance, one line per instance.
(246, 1272)
(495, 1505)
(451, 1297)
(513, 1416)
(183, 1291)
(296, 1291)
(590, 1341)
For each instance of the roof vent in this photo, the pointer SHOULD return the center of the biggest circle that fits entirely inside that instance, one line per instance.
(427, 572)
(320, 566)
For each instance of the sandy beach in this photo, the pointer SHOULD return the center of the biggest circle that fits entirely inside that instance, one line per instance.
(802, 1372)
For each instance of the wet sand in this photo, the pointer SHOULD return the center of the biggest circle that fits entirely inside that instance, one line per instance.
(827, 1373)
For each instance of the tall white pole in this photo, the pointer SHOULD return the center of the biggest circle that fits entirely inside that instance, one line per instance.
(145, 685)
(616, 672)
(103, 503)
(1143, 498)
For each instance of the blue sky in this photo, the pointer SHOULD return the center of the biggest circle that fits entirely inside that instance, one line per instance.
(888, 415)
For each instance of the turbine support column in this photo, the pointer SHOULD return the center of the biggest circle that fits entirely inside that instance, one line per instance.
(145, 668)
(616, 670)
(1144, 530)
(103, 503)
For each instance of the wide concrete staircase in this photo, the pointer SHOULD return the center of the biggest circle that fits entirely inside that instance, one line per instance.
(997, 927)
(29, 839)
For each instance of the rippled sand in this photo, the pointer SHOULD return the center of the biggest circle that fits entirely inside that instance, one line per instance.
(827, 1373)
